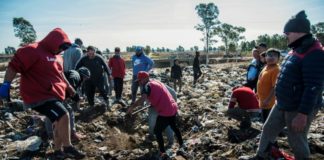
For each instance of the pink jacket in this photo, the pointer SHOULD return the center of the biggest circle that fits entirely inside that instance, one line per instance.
(161, 99)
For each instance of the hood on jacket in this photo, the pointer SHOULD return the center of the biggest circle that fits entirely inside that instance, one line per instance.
(54, 39)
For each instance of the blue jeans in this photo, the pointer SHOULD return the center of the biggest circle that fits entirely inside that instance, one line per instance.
(134, 88)
(152, 116)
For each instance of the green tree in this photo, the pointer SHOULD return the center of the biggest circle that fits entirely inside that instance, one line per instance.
(147, 49)
(278, 41)
(24, 31)
(209, 16)
(10, 50)
(274, 41)
(264, 39)
(106, 51)
(320, 37)
(317, 28)
(232, 47)
(221, 48)
(180, 49)
(229, 34)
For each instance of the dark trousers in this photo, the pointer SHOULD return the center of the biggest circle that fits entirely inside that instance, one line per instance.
(241, 115)
(179, 82)
(118, 87)
(197, 74)
(161, 123)
(90, 88)
(265, 114)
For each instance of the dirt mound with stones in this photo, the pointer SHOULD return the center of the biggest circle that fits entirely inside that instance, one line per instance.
(207, 132)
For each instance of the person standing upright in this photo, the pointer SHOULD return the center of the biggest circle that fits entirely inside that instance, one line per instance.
(118, 68)
(196, 68)
(267, 81)
(72, 55)
(140, 62)
(298, 90)
(176, 75)
(255, 66)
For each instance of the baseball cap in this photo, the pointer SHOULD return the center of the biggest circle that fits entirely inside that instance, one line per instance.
(142, 75)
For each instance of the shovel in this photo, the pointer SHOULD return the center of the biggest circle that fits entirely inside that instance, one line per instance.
(140, 110)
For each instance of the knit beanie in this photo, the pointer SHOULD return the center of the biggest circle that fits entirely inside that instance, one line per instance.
(298, 23)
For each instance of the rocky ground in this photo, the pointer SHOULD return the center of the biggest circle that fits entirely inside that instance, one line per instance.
(208, 133)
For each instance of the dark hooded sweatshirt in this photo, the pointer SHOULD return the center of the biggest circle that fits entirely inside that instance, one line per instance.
(40, 69)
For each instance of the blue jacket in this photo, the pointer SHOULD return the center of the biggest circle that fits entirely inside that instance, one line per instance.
(141, 63)
(253, 72)
(300, 82)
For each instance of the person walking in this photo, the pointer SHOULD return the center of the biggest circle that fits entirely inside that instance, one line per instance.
(43, 86)
(97, 66)
(76, 79)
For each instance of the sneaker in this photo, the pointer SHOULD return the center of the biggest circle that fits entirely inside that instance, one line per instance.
(72, 152)
(58, 154)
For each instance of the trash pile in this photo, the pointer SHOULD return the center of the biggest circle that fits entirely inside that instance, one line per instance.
(111, 134)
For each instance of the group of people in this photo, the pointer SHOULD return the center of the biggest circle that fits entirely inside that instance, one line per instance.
(288, 97)
(176, 73)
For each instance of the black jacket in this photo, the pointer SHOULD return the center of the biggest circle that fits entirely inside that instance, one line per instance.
(97, 67)
(300, 82)
(196, 64)
(176, 72)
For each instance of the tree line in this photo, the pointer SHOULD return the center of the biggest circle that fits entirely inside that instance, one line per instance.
(211, 27)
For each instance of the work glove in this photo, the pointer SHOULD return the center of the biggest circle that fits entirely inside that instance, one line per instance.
(4, 90)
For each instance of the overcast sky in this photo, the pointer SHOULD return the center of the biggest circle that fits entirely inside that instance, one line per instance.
(158, 23)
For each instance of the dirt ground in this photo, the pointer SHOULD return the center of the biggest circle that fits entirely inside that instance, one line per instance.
(207, 132)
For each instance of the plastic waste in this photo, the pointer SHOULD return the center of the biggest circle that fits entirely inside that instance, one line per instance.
(195, 128)
(30, 144)
(8, 116)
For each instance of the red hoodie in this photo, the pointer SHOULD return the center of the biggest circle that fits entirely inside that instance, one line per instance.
(117, 66)
(40, 69)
